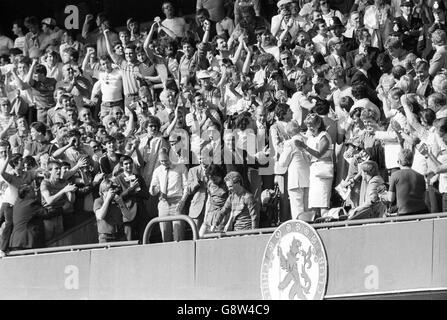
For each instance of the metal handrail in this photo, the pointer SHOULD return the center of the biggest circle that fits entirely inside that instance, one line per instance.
(325, 225)
(151, 224)
(238, 233)
(348, 223)
(107, 245)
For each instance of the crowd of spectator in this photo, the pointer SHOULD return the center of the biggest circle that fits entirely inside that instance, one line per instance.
(239, 118)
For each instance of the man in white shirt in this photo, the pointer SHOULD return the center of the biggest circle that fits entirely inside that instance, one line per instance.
(174, 27)
(132, 70)
(169, 181)
(281, 20)
(110, 85)
(321, 39)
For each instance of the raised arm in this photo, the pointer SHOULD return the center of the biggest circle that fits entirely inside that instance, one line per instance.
(173, 122)
(206, 35)
(247, 62)
(85, 27)
(116, 59)
(25, 83)
(238, 52)
(150, 53)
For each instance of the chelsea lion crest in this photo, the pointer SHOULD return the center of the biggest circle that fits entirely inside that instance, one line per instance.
(294, 265)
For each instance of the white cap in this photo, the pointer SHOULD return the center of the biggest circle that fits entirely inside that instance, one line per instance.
(203, 74)
(49, 21)
(281, 2)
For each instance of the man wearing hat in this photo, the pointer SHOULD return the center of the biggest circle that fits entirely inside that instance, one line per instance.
(52, 32)
(284, 20)
(337, 28)
(170, 183)
(409, 25)
(206, 86)
(424, 46)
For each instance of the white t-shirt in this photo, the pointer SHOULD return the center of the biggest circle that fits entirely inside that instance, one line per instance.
(177, 25)
(111, 85)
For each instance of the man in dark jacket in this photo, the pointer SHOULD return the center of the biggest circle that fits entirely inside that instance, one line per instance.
(28, 227)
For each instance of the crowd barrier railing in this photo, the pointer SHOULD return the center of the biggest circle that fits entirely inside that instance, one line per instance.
(153, 222)
(72, 248)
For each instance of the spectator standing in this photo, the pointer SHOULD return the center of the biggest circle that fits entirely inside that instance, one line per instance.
(407, 187)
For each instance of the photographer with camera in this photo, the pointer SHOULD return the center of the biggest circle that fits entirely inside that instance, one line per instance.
(111, 212)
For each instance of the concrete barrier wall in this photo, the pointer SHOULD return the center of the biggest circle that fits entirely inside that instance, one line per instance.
(143, 272)
(229, 268)
(378, 258)
(439, 273)
(362, 260)
(63, 276)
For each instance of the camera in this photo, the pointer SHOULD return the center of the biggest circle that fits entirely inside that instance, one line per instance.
(116, 189)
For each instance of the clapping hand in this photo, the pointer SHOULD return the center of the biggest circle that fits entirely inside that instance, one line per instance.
(70, 188)
(82, 163)
(134, 185)
(98, 177)
(110, 194)
(300, 144)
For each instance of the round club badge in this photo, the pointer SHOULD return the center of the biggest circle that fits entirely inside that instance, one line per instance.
(294, 265)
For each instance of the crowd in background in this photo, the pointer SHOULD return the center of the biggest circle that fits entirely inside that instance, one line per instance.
(236, 119)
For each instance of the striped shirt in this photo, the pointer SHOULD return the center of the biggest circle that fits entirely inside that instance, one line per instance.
(129, 72)
(242, 211)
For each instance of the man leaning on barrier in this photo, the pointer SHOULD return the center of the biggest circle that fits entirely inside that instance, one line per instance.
(240, 205)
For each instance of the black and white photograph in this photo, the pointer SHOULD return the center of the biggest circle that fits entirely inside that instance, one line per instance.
(223, 154)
